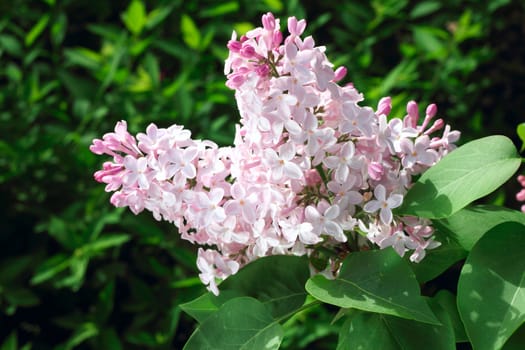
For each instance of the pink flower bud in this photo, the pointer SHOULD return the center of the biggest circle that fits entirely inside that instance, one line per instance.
(296, 27)
(438, 124)
(431, 110)
(520, 196)
(339, 73)
(247, 51)
(262, 70)
(268, 21)
(234, 45)
(412, 115)
(412, 109)
(384, 106)
(277, 38)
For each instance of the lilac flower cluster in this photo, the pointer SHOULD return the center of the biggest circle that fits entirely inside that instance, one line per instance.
(309, 166)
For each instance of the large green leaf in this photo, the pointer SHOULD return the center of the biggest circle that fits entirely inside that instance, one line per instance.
(466, 174)
(491, 288)
(364, 330)
(377, 281)
(448, 302)
(240, 324)
(207, 304)
(468, 225)
(277, 281)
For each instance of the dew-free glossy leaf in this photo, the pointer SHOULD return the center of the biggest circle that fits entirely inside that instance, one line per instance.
(448, 302)
(277, 281)
(205, 305)
(466, 174)
(491, 288)
(377, 281)
(365, 330)
(240, 324)
(468, 225)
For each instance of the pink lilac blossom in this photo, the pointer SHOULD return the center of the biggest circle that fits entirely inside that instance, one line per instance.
(520, 196)
(309, 165)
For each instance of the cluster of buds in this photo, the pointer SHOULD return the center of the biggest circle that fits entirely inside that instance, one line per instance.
(310, 167)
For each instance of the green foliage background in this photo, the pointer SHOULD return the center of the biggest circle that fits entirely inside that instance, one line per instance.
(78, 273)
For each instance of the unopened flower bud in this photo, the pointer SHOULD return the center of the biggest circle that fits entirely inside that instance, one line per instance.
(340, 73)
(384, 106)
(431, 110)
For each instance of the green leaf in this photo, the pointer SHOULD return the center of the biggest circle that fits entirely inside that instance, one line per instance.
(118, 55)
(517, 340)
(364, 330)
(207, 304)
(376, 281)
(58, 29)
(83, 57)
(521, 133)
(220, 9)
(21, 297)
(134, 17)
(85, 331)
(448, 302)
(157, 16)
(37, 29)
(240, 324)
(491, 297)
(425, 8)
(468, 225)
(10, 44)
(12, 269)
(108, 339)
(101, 243)
(50, 268)
(151, 64)
(190, 33)
(466, 174)
(277, 281)
(428, 40)
(10, 343)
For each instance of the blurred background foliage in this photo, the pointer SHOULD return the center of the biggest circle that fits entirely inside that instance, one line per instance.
(77, 273)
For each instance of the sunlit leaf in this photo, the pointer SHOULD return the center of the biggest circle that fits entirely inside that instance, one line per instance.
(135, 17)
(376, 281)
(190, 33)
(468, 225)
(466, 174)
(364, 330)
(276, 281)
(37, 29)
(491, 288)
